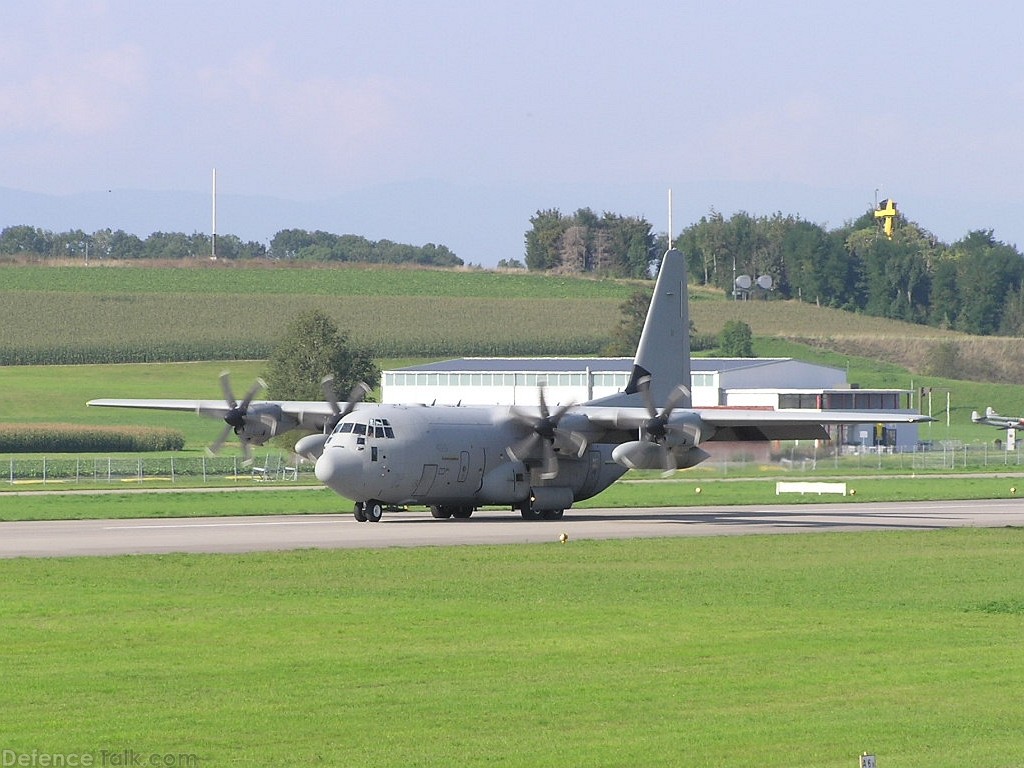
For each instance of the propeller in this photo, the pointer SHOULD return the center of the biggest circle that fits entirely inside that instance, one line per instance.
(655, 447)
(311, 447)
(235, 417)
(355, 396)
(656, 426)
(545, 436)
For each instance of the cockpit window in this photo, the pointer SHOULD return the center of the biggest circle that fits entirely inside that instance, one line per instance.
(377, 428)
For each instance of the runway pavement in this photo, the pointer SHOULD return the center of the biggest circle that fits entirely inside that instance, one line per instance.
(415, 529)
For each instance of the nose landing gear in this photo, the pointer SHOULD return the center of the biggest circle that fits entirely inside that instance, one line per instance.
(368, 511)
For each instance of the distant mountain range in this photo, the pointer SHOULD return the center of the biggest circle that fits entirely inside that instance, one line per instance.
(480, 224)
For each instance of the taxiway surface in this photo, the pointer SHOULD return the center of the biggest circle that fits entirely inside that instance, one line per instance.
(415, 529)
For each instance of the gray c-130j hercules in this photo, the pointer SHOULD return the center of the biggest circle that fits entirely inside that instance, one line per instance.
(537, 460)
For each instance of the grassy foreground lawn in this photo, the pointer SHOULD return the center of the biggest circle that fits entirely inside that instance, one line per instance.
(731, 651)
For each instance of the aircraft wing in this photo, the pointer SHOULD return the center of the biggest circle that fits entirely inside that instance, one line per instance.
(745, 424)
(768, 424)
(212, 407)
(306, 414)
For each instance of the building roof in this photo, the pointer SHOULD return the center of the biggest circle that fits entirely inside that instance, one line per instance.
(581, 364)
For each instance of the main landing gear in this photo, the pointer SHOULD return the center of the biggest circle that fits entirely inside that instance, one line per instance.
(444, 511)
(529, 513)
(371, 511)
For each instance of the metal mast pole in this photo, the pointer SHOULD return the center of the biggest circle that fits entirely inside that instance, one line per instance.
(213, 238)
(670, 218)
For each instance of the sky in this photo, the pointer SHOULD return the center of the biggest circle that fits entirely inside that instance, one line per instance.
(454, 122)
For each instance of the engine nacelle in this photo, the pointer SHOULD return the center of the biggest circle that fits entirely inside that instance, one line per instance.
(639, 454)
(263, 421)
(644, 454)
(690, 457)
(311, 447)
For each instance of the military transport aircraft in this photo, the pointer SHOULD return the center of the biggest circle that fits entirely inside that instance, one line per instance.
(995, 420)
(537, 460)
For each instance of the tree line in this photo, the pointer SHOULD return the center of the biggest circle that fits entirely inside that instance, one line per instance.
(323, 246)
(972, 285)
(288, 244)
(612, 245)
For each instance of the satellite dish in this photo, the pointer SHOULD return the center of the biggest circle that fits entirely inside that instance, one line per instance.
(743, 282)
(765, 281)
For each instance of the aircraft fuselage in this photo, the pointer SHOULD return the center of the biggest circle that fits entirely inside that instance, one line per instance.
(451, 457)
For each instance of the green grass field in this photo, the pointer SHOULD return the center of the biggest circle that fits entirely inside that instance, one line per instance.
(732, 651)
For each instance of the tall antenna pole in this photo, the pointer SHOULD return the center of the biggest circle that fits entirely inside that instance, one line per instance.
(213, 238)
(670, 218)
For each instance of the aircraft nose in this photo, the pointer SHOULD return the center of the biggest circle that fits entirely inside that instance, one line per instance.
(329, 469)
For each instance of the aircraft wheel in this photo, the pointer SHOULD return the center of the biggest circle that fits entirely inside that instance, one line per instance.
(358, 513)
(373, 511)
(553, 514)
(528, 512)
(462, 513)
(440, 512)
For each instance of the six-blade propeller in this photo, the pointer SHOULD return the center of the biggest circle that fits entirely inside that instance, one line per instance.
(545, 437)
(658, 436)
(235, 417)
(355, 396)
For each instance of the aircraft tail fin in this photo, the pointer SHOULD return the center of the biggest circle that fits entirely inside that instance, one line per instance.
(664, 350)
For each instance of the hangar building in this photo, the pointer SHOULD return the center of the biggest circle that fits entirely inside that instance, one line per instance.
(738, 382)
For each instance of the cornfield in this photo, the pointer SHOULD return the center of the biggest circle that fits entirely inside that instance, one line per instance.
(73, 438)
(133, 314)
(65, 315)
